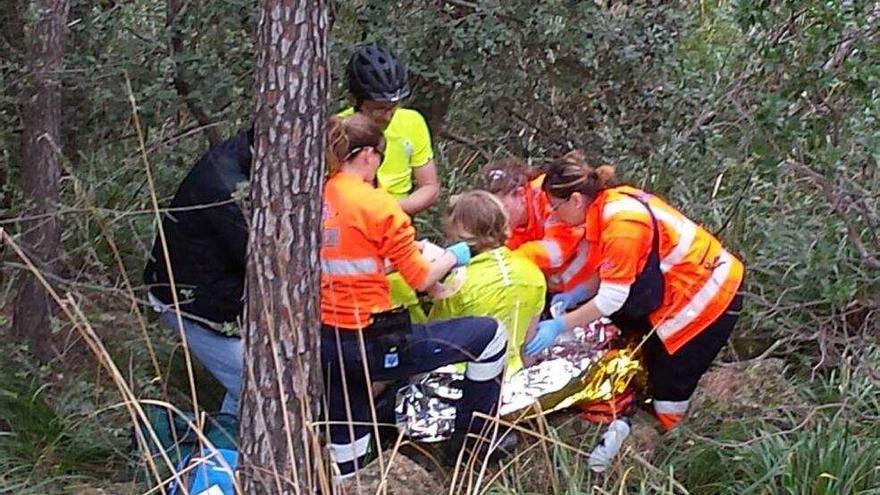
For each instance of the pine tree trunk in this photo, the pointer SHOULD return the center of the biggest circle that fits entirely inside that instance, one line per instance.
(41, 171)
(282, 383)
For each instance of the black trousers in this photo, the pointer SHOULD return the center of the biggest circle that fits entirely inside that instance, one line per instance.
(674, 377)
(478, 341)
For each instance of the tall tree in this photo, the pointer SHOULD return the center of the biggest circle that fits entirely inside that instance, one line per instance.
(41, 169)
(282, 382)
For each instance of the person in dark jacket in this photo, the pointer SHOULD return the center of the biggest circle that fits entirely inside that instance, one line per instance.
(206, 236)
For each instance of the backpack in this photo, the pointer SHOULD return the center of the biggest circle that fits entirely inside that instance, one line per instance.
(178, 440)
(210, 473)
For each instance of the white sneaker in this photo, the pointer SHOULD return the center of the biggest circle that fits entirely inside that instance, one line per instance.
(609, 446)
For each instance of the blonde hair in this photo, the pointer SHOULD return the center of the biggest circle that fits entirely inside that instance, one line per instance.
(477, 218)
(571, 173)
(346, 134)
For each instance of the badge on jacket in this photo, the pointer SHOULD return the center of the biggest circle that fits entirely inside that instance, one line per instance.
(391, 358)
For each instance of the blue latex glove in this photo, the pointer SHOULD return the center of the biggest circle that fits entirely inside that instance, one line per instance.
(548, 332)
(570, 298)
(462, 253)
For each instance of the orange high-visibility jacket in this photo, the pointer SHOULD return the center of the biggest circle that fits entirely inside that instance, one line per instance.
(700, 276)
(363, 226)
(559, 250)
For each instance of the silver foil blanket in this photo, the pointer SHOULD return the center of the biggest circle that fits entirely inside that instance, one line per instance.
(426, 407)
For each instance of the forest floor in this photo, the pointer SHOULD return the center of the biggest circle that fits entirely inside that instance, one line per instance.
(63, 430)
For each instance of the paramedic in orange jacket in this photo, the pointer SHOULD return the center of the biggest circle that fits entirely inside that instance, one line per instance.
(660, 274)
(364, 339)
(559, 249)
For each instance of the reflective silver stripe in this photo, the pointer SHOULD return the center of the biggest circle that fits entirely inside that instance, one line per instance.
(577, 263)
(502, 265)
(481, 372)
(671, 406)
(620, 205)
(687, 231)
(701, 299)
(345, 452)
(553, 252)
(683, 226)
(496, 345)
(157, 305)
(358, 266)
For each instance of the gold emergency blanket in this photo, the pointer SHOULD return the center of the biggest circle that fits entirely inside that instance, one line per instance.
(610, 375)
(574, 372)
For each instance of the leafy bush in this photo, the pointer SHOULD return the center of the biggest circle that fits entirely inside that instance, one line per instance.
(758, 119)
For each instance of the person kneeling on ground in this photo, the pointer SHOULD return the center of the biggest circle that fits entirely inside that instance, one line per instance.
(559, 249)
(496, 282)
(364, 339)
(662, 276)
(378, 85)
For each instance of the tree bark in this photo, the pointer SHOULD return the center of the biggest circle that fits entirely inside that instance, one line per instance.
(281, 395)
(41, 171)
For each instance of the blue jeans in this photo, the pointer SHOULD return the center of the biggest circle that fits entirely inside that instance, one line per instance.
(221, 355)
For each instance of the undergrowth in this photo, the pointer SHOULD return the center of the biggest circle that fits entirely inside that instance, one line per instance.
(750, 116)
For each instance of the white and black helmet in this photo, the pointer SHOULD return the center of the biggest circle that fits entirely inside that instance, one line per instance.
(375, 74)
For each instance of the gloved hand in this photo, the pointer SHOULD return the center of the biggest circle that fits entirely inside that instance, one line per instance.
(562, 301)
(548, 332)
(462, 253)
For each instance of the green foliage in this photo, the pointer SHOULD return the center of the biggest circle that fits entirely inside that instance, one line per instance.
(39, 444)
(825, 457)
(758, 119)
(834, 448)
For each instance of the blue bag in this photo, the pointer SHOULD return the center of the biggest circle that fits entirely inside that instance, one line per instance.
(209, 474)
(175, 437)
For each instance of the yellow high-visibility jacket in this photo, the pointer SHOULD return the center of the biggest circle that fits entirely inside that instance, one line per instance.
(497, 283)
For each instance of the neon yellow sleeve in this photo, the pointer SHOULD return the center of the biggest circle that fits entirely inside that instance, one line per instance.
(444, 309)
(420, 137)
(404, 295)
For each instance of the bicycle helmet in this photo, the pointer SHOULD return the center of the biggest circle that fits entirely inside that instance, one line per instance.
(375, 74)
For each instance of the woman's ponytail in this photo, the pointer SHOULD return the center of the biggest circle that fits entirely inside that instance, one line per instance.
(571, 173)
(345, 134)
(337, 144)
(605, 176)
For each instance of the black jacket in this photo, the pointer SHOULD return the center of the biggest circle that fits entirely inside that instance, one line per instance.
(207, 240)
